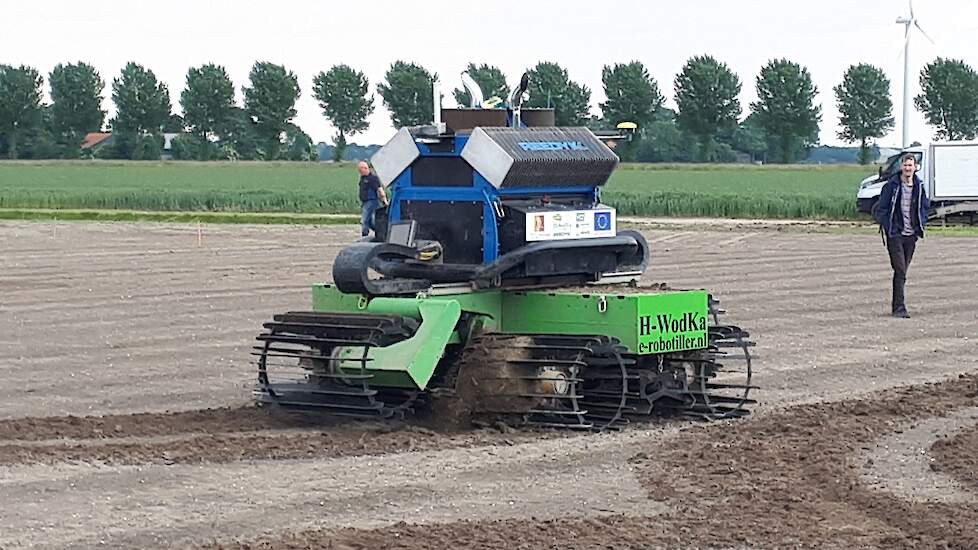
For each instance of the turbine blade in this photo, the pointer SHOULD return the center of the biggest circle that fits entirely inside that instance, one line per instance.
(919, 28)
(911, 9)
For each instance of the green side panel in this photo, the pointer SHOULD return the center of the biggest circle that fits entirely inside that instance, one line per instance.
(327, 298)
(671, 322)
(567, 313)
(645, 323)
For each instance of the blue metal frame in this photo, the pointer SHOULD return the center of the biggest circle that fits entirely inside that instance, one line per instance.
(480, 191)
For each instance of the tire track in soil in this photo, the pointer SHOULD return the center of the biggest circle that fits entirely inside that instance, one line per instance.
(225, 435)
(899, 463)
(956, 456)
(785, 480)
(224, 419)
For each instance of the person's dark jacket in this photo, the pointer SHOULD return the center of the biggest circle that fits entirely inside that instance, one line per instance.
(369, 185)
(888, 213)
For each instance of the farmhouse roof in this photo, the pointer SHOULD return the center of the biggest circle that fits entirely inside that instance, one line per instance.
(94, 138)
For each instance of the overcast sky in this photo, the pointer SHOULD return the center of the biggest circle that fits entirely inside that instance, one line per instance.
(310, 36)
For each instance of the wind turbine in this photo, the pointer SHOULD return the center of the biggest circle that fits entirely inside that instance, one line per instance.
(907, 22)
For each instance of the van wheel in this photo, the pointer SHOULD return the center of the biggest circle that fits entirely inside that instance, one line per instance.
(874, 208)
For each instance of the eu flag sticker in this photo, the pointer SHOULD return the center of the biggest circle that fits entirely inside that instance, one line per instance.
(602, 221)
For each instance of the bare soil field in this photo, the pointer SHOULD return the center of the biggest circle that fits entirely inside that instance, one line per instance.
(125, 418)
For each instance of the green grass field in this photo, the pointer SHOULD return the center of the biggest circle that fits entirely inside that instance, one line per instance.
(808, 192)
(802, 192)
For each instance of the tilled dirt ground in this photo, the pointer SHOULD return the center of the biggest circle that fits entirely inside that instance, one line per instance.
(140, 324)
(786, 480)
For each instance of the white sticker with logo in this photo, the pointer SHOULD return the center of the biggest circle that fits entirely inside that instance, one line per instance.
(570, 224)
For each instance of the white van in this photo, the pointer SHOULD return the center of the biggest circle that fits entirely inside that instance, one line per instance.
(948, 169)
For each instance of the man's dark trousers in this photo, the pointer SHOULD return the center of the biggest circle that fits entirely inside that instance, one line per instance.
(901, 249)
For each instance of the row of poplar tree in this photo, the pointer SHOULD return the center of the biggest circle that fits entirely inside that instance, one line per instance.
(706, 126)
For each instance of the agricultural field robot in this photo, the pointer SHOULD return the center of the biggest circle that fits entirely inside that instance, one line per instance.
(498, 288)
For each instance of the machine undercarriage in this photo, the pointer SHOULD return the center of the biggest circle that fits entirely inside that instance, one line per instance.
(322, 362)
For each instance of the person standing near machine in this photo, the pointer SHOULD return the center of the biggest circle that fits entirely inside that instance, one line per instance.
(902, 215)
(372, 195)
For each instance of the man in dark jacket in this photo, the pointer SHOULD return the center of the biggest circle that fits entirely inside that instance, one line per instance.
(372, 194)
(902, 215)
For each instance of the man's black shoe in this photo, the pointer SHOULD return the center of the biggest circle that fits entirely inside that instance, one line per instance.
(902, 314)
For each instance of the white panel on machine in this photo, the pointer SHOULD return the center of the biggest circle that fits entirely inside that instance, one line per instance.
(955, 171)
(487, 157)
(395, 157)
(570, 224)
